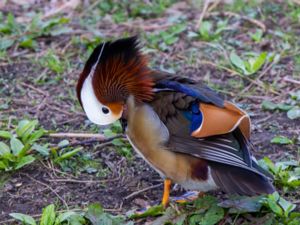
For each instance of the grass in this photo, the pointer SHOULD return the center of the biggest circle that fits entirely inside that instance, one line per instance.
(248, 52)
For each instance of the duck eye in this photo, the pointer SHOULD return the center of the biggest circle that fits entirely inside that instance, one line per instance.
(105, 110)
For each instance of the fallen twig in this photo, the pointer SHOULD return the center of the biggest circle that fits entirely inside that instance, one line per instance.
(65, 7)
(50, 188)
(263, 119)
(147, 27)
(94, 138)
(35, 89)
(83, 181)
(56, 108)
(204, 10)
(141, 191)
(290, 80)
(213, 5)
(78, 135)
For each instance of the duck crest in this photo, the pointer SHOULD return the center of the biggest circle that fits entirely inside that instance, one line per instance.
(118, 69)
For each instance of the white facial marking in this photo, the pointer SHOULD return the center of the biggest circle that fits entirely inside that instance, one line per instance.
(95, 111)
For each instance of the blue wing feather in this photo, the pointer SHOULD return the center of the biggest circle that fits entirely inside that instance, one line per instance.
(194, 116)
(203, 94)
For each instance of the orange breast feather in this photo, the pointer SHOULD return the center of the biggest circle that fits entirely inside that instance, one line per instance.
(218, 121)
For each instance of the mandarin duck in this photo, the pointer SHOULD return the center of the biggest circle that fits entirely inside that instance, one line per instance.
(184, 130)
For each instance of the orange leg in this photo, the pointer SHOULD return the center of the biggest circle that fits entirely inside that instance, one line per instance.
(166, 195)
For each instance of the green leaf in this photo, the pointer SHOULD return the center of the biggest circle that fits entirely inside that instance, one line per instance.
(271, 202)
(222, 25)
(180, 219)
(243, 204)
(20, 127)
(118, 142)
(5, 43)
(294, 113)
(64, 217)
(46, 26)
(275, 208)
(268, 165)
(97, 216)
(25, 128)
(257, 36)
(286, 164)
(24, 150)
(281, 140)
(11, 23)
(76, 220)
(205, 202)
(3, 166)
(170, 39)
(258, 62)
(10, 157)
(48, 216)
(5, 134)
(23, 218)
(68, 155)
(28, 43)
(24, 161)
(170, 215)
(268, 105)
(29, 129)
(195, 219)
(287, 207)
(205, 30)
(295, 95)
(269, 219)
(284, 107)
(212, 216)
(36, 135)
(237, 62)
(153, 211)
(16, 146)
(108, 133)
(4, 149)
(294, 181)
(94, 212)
(63, 143)
(42, 149)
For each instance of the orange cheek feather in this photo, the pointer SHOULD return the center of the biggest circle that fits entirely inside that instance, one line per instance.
(115, 107)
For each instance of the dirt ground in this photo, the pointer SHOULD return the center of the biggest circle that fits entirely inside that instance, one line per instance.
(32, 91)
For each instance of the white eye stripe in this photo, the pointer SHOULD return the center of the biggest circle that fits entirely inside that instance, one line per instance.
(96, 63)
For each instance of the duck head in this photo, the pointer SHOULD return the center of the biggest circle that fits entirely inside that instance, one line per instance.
(113, 72)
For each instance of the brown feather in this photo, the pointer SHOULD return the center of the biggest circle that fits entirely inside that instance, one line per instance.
(118, 79)
(120, 70)
(199, 170)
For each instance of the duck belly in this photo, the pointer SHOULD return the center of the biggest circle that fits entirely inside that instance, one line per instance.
(199, 184)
